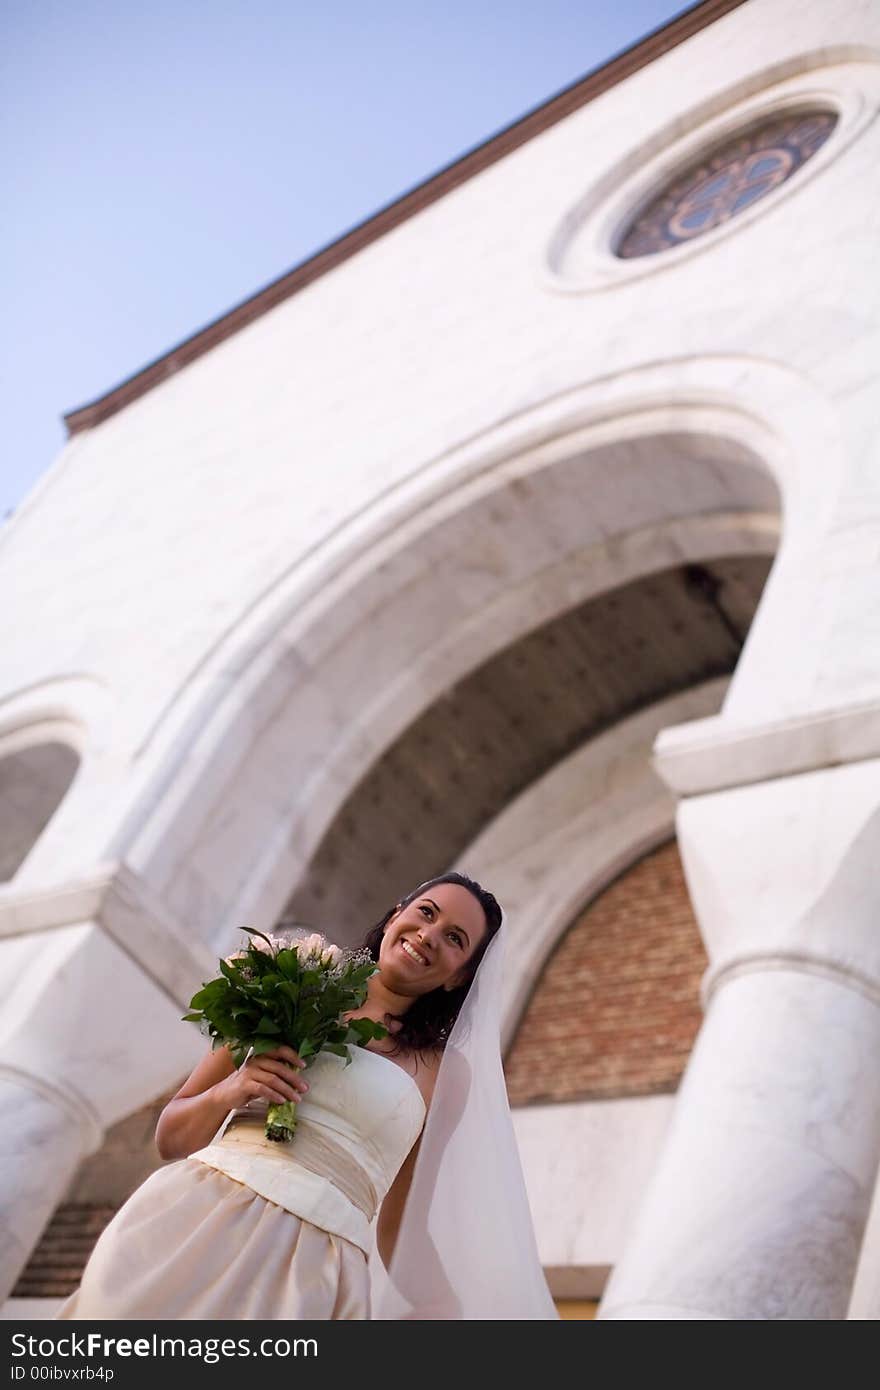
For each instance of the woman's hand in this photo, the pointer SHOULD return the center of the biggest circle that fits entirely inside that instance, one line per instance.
(193, 1116)
(273, 1076)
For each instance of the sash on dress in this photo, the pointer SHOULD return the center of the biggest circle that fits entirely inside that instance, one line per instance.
(310, 1176)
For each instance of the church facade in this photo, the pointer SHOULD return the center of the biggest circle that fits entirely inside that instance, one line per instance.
(532, 529)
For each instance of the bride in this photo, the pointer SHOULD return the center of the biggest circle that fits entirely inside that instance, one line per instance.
(401, 1195)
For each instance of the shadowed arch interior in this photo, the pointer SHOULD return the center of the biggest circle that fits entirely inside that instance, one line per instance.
(33, 782)
(508, 722)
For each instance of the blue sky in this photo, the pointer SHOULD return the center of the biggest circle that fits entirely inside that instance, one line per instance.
(163, 161)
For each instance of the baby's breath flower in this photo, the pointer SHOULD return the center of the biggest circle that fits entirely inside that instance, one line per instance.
(359, 957)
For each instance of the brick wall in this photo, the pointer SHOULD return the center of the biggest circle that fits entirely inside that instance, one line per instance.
(616, 1009)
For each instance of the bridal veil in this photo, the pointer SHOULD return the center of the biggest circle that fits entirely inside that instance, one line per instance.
(466, 1246)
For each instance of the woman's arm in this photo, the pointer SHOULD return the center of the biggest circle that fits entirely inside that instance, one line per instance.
(391, 1210)
(195, 1113)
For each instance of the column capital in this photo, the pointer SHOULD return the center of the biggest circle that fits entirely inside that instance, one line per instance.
(122, 904)
(708, 755)
(67, 1098)
(748, 962)
(782, 874)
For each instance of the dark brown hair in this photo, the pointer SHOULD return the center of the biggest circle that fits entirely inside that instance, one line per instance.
(428, 1022)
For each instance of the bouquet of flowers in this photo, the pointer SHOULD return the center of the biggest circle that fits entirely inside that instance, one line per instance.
(287, 991)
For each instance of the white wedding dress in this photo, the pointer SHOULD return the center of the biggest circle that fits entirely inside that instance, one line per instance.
(248, 1228)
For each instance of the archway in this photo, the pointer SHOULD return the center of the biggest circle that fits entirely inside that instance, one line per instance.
(34, 779)
(489, 565)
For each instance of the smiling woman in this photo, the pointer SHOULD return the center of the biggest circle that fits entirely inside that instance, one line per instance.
(239, 1227)
(429, 947)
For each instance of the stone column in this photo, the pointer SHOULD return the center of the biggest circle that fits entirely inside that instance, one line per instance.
(865, 1302)
(44, 1135)
(86, 1037)
(760, 1200)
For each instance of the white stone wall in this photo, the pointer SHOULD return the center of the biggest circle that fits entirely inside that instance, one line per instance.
(232, 479)
(586, 1167)
(199, 581)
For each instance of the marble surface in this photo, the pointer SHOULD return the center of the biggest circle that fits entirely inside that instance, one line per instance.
(126, 909)
(864, 1305)
(758, 1204)
(86, 1037)
(355, 673)
(586, 1166)
(29, 1309)
(787, 869)
(580, 255)
(41, 1144)
(80, 1016)
(707, 755)
(778, 1113)
(404, 421)
(458, 461)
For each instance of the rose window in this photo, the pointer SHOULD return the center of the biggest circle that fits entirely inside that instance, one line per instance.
(726, 182)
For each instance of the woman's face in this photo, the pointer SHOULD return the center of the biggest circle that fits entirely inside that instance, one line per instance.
(428, 944)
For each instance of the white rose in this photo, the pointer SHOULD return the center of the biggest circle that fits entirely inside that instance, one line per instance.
(331, 956)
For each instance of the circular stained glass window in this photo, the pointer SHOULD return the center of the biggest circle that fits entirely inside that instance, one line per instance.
(726, 182)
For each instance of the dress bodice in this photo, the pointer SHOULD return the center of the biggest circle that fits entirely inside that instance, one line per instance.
(355, 1126)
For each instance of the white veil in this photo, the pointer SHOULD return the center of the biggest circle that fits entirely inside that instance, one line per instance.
(466, 1247)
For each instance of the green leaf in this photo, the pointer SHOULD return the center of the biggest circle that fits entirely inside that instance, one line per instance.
(288, 963)
(192, 1018)
(366, 1029)
(252, 931)
(262, 999)
(215, 990)
(308, 1018)
(361, 974)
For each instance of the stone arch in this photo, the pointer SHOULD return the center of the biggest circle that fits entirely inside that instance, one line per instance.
(58, 737)
(249, 784)
(487, 739)
(37, 766)
(315, 693)
(558, 846)
(617, 1007)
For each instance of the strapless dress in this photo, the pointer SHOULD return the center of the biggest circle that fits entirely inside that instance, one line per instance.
(248, 1228)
